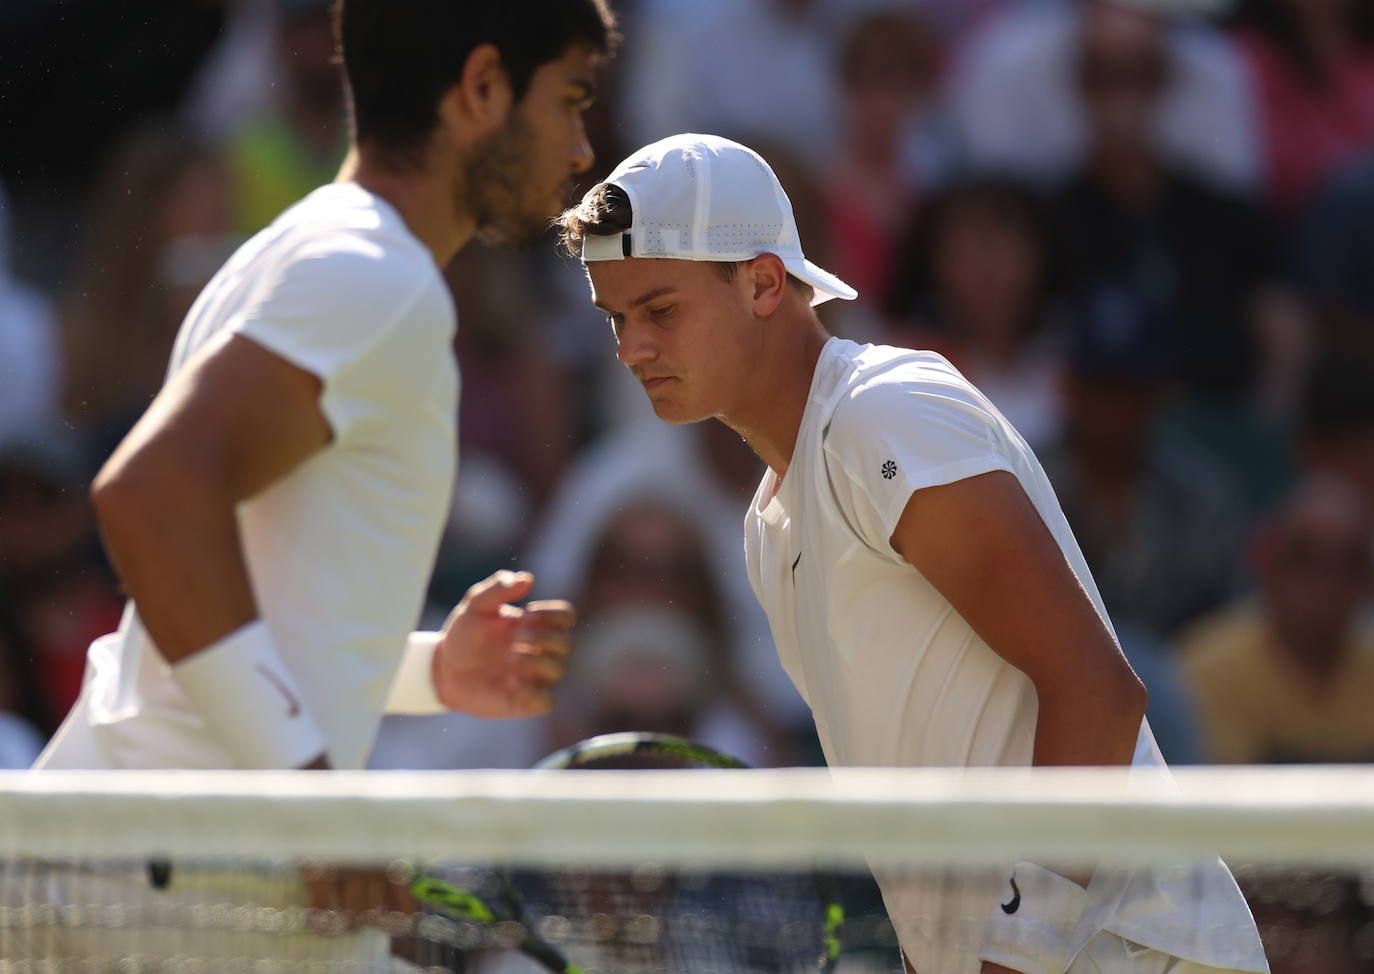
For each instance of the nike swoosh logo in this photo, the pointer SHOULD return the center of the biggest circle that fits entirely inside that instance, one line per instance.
(794, 572)
(1015, 904)
(292, 704)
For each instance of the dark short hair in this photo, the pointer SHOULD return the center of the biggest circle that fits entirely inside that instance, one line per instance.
(401, 56)
(606, 210)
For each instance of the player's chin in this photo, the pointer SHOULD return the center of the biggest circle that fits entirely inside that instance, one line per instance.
(676, 413)
(518, 231)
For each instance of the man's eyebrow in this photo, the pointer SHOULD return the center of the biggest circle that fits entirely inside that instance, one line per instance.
(644, 298)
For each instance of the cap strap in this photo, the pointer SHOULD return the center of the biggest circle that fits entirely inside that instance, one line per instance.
(613, 247)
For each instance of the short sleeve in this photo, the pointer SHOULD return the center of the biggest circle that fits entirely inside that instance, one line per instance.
(889, 438)
(346, 314)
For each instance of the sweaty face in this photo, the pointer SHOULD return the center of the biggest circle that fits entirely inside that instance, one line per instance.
(688, 335)
(520, 178)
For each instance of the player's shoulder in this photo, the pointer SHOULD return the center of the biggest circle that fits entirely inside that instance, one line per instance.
(350, 244)
(876, 385)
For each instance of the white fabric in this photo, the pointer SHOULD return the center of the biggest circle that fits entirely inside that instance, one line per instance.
(246, 695)
(412, 690)
(895, 677)
(701, 197)
(1031, 931)
(1107, 953)
(339, 551)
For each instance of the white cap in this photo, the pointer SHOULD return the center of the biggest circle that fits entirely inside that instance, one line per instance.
(701, 197)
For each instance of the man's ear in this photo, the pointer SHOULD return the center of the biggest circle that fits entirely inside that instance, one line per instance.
(481, 100)
(768, 283)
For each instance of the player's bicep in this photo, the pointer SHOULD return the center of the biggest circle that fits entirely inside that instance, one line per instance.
(236, 412)
(981, 543)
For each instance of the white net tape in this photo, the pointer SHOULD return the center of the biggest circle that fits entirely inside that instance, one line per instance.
(708, 872)
(762, 818)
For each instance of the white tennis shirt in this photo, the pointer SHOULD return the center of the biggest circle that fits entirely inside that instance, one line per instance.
(340, 550)
(893, 674)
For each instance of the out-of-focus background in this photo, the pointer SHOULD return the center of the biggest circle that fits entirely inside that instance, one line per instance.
(1145, 230)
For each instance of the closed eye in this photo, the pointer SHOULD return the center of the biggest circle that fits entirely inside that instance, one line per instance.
(662, 311)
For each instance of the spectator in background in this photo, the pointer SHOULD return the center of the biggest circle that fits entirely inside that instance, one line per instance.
(298, 141)
(1159, 525)
(1014, 105)
(886, 71)
(156, 234)
(21, 739)
(649, 554)
(1290, 676)
(644, 669)
(976, 284)
(1334, 254)
(30, 350)
(703, 474)
(702, 67)
(1336, 432)
(1130, 216)
(1311, 66)
(1205, 259)
(54, 588)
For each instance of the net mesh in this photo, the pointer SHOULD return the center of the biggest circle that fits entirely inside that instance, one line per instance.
(651, 871)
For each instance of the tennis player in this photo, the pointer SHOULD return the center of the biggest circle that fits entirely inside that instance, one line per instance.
(924, 590)
(275, 513)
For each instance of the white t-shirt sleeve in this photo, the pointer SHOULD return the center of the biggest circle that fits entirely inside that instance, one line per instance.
(889, 438)
(344, 313)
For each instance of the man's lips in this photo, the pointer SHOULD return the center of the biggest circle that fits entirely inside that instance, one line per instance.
(653, 382)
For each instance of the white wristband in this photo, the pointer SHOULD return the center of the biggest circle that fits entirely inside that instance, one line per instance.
(412, 689)
(1030, 930)
(246, 695)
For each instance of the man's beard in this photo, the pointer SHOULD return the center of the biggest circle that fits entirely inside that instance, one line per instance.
(499, 188)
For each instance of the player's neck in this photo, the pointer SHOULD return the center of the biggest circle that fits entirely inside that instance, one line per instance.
(424, 200)
(770, 417)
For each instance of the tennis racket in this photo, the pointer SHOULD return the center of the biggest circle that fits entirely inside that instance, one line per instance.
(651, 919)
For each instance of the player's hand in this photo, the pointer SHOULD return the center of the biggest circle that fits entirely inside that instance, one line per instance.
(495, 659)
(346, 899)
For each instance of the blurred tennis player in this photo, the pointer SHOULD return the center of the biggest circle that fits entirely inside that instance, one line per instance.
(924, 589)
(276, 512)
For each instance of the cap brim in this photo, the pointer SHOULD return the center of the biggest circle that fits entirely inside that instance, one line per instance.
(826, 284)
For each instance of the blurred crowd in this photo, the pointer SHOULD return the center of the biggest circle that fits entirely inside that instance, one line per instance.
(1145, 229)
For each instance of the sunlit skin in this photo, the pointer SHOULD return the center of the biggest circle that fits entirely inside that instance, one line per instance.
(551, 137)
(742, 351)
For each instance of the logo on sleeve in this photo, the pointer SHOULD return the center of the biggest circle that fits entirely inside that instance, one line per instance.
(889, 470)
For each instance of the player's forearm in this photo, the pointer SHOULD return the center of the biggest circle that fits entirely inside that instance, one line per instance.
(173, 537)
(1086, 723)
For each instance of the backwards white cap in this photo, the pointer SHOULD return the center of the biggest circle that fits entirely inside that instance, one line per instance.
(701, 197)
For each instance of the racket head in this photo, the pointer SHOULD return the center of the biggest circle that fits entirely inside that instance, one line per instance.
(719, 921)
(637, 750)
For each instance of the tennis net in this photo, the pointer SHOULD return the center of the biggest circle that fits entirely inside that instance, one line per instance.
(708, 872)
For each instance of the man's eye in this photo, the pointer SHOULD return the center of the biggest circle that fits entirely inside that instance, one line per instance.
(661, 312)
